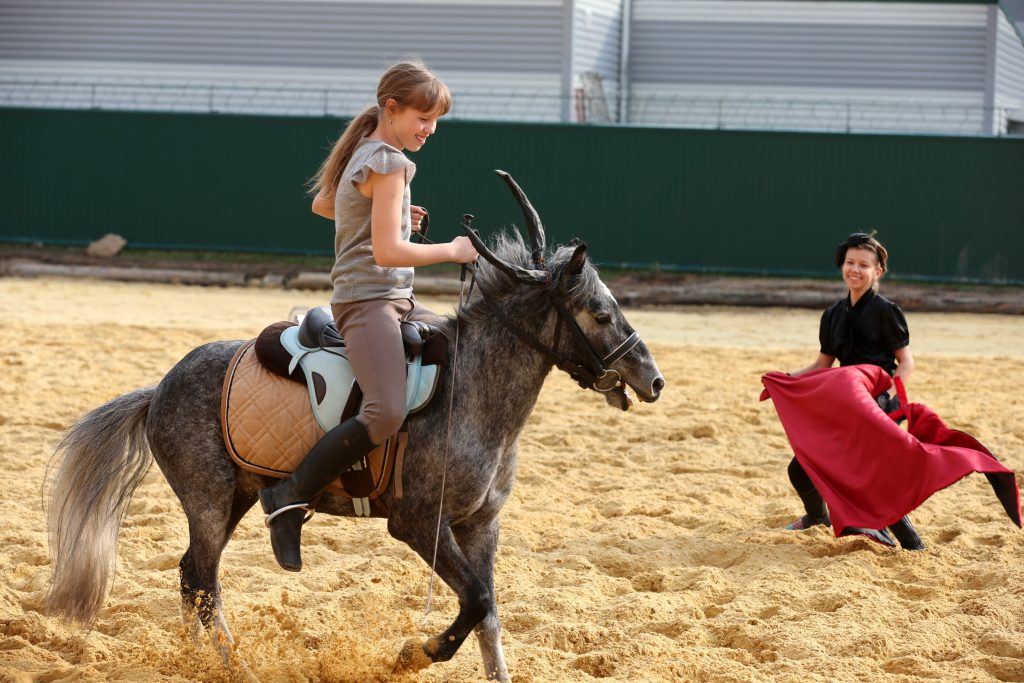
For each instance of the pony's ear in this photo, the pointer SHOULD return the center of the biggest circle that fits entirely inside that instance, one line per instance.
(578, 260)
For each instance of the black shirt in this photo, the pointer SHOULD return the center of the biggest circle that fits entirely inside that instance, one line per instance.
(869, 332)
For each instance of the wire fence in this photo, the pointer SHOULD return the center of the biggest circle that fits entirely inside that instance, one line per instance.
(523, 104)
(831, 115)
(262, 98)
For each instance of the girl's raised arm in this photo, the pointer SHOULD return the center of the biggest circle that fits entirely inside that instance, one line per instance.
(905, 366)
(822, 361)
(389, 249)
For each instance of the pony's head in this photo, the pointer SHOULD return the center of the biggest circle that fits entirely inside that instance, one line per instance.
(592, 340)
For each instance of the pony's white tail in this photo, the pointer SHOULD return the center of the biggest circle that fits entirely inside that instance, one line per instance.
(105, 458)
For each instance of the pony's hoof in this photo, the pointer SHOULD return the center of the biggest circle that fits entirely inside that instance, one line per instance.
(412, 657)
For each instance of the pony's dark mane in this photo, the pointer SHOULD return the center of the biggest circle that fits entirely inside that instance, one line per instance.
(525, 300)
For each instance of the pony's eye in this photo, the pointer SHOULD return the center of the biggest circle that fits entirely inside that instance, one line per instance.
(603, 318)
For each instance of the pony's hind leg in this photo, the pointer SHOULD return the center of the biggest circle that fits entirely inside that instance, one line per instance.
(209, 531)
(184, 432)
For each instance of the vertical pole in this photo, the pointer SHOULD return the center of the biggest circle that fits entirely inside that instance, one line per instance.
(991, 43)
(568, 67)
(625, 24)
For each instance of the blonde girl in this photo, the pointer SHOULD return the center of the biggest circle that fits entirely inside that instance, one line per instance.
(364, 185)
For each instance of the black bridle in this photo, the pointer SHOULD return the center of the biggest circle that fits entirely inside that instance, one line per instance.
(593, 371)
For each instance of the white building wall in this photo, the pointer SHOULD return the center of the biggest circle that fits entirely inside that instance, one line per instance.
(1009, 77)
(597, 40)
(817, 65)
(279, 56)
(787, 64)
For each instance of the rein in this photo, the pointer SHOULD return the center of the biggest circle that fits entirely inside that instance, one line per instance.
(463, 298)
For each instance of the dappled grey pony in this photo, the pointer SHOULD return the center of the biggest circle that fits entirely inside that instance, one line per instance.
(534, 310)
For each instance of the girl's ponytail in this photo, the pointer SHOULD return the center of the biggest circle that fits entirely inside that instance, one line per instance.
(329, 175)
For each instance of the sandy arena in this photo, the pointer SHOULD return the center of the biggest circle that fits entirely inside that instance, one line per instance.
(639, 546)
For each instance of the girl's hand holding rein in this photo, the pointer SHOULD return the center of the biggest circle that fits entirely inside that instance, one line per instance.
(463, 250)
(417, 214)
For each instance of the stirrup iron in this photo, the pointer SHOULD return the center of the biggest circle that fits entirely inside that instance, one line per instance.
(268, 519)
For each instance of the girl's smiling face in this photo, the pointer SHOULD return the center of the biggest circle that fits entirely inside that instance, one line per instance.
(860, 270)
(408, 128)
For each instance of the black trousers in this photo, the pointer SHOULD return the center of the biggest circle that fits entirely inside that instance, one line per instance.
(814, 506)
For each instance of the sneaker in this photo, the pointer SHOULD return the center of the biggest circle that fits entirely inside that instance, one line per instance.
(806, 522)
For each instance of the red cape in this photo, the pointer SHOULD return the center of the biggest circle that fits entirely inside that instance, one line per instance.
(870, 471)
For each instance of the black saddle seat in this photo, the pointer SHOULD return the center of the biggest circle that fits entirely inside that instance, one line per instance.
(318, 330)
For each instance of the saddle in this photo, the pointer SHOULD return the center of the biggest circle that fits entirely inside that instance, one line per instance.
(285, 389)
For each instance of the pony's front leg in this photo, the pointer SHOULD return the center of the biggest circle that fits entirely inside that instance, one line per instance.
(479, 542)
(474, 594)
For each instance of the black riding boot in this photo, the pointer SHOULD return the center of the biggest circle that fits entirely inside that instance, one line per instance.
(332, 455)
(814, 506)
(906, 534)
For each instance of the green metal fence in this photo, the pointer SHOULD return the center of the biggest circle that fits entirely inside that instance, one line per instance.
(949, 208)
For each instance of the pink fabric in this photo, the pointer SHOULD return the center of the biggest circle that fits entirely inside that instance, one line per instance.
(870, 471)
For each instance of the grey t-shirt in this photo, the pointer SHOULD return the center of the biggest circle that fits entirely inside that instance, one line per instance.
(356, 275)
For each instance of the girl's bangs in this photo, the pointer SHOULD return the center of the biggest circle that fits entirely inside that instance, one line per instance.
(433, 97)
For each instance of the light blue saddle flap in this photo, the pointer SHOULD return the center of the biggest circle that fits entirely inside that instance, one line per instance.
(419, 385)
(334, 369)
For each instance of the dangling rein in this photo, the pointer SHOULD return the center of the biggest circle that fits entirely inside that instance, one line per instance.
(467, 220)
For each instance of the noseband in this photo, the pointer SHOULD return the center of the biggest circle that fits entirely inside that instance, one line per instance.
(593, 372)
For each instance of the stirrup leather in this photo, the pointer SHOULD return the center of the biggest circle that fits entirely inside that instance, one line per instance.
(268, 519)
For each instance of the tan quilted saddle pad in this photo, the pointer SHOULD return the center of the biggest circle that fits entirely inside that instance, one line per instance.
(268, 428)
